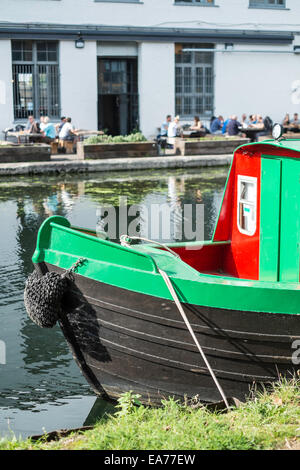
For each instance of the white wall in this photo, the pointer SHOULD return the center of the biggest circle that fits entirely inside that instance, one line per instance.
(243, 82)
(156, 79)
(117, 49)
(227, 14)
(256, 82)
(6, 93)
(79, 93)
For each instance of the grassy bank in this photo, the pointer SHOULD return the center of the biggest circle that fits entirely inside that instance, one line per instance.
(269, 421)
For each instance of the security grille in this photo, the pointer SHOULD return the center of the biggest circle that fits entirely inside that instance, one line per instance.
(194, 81)
(35, 79)
(196, 2)
(267, 3)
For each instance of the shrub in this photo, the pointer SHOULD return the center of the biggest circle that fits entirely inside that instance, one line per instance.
(109, 139)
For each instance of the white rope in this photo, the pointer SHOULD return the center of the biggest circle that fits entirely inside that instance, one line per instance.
(125, 241)
(189, 327)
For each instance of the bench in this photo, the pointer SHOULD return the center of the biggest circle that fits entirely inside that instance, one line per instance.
(54, 147)
(66, 144)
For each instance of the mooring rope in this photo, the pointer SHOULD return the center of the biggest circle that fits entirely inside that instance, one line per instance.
(126, 240)
(74, 267)
(189, 327)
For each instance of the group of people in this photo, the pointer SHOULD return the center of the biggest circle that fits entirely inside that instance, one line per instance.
(253, 126)
(232, 126)
(171, 128)
(48, 131)
(291, 124)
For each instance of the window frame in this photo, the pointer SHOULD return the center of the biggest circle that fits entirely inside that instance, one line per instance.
(196, 75)
(246, 179)
(195, 3)
(267, 5)
(119, 1)
(37, 68)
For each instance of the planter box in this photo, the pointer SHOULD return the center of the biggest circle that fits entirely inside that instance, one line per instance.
(118, 150)
(25, 153)
(209, 147)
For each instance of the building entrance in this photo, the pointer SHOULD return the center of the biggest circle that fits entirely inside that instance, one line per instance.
(117, 95)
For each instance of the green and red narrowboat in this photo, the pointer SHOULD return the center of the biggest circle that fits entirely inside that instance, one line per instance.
(240, 292)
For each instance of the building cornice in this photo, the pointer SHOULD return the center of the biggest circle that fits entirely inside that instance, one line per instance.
(115, 33)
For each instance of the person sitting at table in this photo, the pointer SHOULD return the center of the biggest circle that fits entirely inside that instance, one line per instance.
(174, 130)
(252, 120)
(286, 121)
(49, 132)
(164, 127)
(42, 123)
(60, 124)
(233, 126)
(197, 128)
(264, 126)
(68, 132)
(295, 123)
(259, 124)
(244, 121)
(32, 126)
(216, 125)
(225, 124)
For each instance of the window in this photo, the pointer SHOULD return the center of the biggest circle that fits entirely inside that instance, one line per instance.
(196, 2)
(35, 79)
(246, 207)
(194, 81)
(119, 1)
(267, 3)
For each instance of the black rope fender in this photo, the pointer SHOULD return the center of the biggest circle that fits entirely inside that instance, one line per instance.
(43, 295)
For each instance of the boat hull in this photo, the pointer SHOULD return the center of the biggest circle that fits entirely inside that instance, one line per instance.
(123, 340)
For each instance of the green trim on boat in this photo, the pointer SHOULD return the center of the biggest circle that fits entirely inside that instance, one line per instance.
(290, 221)
(135, 270)
(269, 219)
(287, 144)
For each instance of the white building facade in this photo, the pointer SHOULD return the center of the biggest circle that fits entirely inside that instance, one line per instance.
(125, 64)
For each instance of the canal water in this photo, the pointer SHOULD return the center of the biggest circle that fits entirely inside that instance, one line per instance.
(41, 388)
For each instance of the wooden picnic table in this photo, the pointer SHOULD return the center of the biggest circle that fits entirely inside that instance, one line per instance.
(250, 132)
(291, 129)
(82, 133)
(22, 135)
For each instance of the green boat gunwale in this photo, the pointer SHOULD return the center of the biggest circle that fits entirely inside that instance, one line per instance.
(280, 144)
(197, 288)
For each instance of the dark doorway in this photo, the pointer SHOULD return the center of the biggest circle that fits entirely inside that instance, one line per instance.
(117, 95)
(108, 112)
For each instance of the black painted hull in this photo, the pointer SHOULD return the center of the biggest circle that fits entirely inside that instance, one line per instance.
(124, 340)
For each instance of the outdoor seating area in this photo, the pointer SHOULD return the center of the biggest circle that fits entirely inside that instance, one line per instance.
(62, 137)
(175, 138)
(254, 127)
